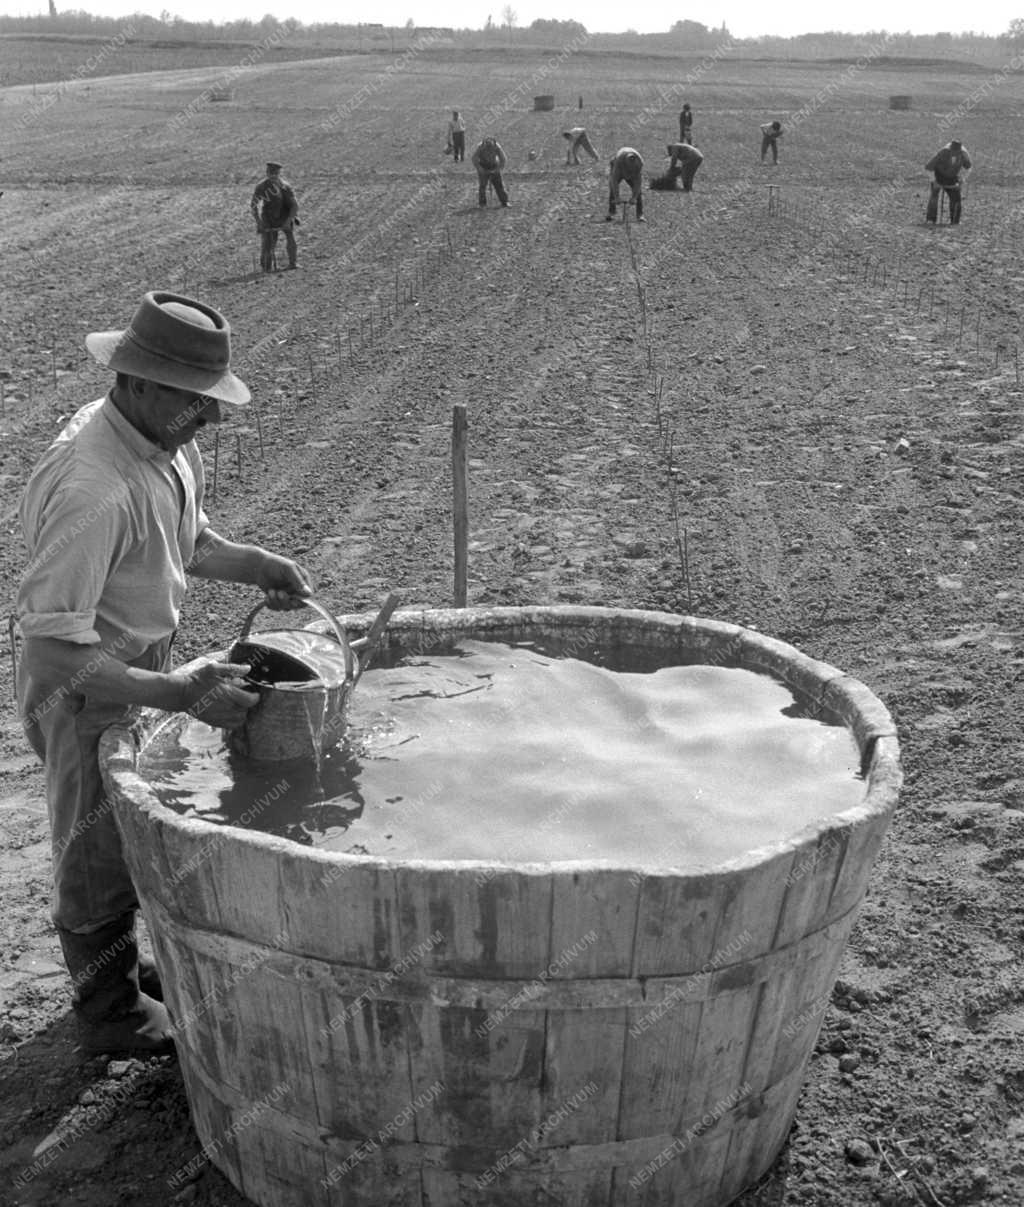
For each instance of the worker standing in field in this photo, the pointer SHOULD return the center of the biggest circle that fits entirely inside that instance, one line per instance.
(578, 141)
(946, 165)
(275, 208)
(113, 519)
(626, 165)
(686, 124)
(771, 132)
(684, 162)
(490, 161)
(457, 137)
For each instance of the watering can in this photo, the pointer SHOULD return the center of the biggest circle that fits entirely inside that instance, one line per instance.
(304, 680)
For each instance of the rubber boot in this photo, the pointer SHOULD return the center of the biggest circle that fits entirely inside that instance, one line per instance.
(113, 1014)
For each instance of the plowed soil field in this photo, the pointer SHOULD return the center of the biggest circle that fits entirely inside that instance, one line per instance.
(803, 416)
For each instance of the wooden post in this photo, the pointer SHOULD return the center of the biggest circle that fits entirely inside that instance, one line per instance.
(259, 430)
(238, 451)
(460, 501)
(53, 366)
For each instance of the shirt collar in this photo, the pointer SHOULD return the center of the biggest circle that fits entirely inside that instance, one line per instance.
(142, 447)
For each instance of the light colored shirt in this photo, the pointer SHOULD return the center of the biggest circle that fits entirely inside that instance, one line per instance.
(456, 126)
(685, 153)
(111, 522)
(627, 164)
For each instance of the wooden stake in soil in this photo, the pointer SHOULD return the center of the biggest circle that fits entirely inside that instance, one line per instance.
(238, 451)
(53, 367)
(259, 430)
(460, 496)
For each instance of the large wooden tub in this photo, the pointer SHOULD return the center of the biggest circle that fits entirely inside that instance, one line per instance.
(362, 1032)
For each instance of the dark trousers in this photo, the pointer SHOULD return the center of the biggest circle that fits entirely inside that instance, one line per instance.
(268, 245)
(458, 145)
(955, 202)
(492, 176)
(687, 171)
(768, 141)
(635, 190)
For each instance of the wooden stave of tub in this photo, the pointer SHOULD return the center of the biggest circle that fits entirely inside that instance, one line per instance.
(332, 1048)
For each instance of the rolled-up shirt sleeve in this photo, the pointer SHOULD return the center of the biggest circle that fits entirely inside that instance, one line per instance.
(79, 537)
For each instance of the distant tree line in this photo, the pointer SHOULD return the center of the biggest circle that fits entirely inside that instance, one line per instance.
(683, 35)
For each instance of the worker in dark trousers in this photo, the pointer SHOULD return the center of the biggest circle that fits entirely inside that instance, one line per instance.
(947, 165)
(685, 160)
(626, 165)
(489, 160)
(771, 132)
(686, 124)
(275, 208)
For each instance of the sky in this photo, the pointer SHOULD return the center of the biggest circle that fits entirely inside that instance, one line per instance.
(744, 18)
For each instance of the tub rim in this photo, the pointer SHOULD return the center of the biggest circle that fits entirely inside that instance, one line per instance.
(876, 737)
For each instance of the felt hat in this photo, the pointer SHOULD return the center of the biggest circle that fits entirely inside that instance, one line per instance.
(174, 341)
(273, 167)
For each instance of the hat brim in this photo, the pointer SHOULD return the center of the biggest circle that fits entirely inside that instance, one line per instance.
(117, 352)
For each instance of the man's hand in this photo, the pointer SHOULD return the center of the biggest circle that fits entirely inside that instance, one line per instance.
(284, 581)
(217, 694)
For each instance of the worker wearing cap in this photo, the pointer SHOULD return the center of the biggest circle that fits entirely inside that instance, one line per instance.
(626, 165)
(685, 159)
(578, 141)
(113, 519)
(489, 160)
(275, 208)
(947, 164)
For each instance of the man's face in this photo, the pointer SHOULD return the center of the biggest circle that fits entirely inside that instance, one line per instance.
(171, 417)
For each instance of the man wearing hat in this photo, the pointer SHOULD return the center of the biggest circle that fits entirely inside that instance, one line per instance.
(275, 208)
(113, 519)
(946, 165)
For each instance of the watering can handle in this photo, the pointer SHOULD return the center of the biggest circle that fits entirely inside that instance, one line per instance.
(339, 632)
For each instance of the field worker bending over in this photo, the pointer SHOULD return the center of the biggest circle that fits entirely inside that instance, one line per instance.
(113, 520)
(685, 160)
(275, 209)
(771, 132)
(626, 165)
(578, 141)
(489, 161)
(947, 165)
